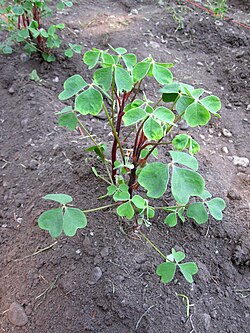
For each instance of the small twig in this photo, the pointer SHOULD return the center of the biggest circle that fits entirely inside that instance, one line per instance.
(188, 305)
(144, 314)
(37, 252)
(191, 322)
(44, 293)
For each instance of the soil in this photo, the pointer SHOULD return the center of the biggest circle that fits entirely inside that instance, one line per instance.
(103, 280)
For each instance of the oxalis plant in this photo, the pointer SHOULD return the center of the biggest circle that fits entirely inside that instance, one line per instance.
(23, 20)
(140, 126)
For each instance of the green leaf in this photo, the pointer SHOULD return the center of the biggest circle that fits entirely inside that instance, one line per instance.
(168, 98)
(76, 48)
(23, 34)
(103, 77)
(111, 189)
(162, 74)
(182, 103)
(69, 53)
(140, 70)
(60, 6)
(61, 198)
(7, 49)
(152, 129)
(188, 269)
(211, 103)
(123, 80)
(89, 102)
(205, 195)
(164, 115)
(73, 219)
(180, 141)
(17, 10)
(166, 271)
(120, 50)
(91, 58)
(197, 212)
(196, 93)
(196, 114)
(35, 33)
(72, 86)
(184, 159)
(171, 88)
(121, 196)
(129, 60)
(194, 146)
(52, 220)
(216, 206)
(133, 116)
(150, 212)
(154, 178)
(34, 76)
(126, 210)
(68, 120)
(186, 183)
(171, 220)
(180, 214)
(65, 110)
(178, 255)
(138, 201)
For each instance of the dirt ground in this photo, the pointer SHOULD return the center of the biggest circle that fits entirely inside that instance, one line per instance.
(103, 280)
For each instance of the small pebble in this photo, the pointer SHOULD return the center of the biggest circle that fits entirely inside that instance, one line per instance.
(200, 64)
(56, 79)
(248, 107)
(183, 124)
(225, 150)
(11, 90)
(33, 164)
(154, 45)
(24, 57)
(95, 276)
(241, 161)
(218, 23)
(78, 251)
(17, 315)
(226, 133)
(134, 12)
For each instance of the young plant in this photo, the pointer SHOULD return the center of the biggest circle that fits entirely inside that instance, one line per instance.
(23, 21)
(218, 7)
(140, 126)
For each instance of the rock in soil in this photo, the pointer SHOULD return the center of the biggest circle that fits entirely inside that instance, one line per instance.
(241, 161)
(17, 315)
(96, 275)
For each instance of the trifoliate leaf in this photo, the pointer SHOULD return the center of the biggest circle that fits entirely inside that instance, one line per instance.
(182, 103)
(152, 129)
(166, 271)
(52, 220)
(126, 210)
(186, 183)
(72, 86)
(133, 116)
(120, 50)
(188, 269)
(73, 219)
(154, 178)
(140, 70)
(196, 93)
(197, 211)
(196, 114)
(61, 198)
(129, 60)
(170, 88)
(171, 220)
(123, 80)
(68, 120)
(178, 255)
(164, 114)
(211, 103)
(138, 201)
(216, 206)
(103, 77)
(89, 102)
(162, 74)
(180, 141)
(184, 159)
(91, 58)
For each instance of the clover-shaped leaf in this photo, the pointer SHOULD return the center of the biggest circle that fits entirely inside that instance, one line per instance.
(188, 269)
(197, 211)
(72, 86)
(73, 219)
(171, 220)
(216, 206)
(154, 178)
(126, 210)
(166, 271)
(89, 102)
(52, 220)
(63, 199)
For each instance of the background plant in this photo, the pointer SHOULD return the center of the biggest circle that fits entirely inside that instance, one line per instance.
(24, 22)
(140, 126)
(219, 7)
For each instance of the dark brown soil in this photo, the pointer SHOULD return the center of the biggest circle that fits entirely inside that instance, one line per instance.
(56, 286)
